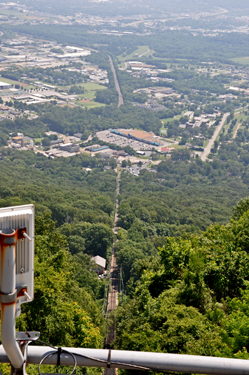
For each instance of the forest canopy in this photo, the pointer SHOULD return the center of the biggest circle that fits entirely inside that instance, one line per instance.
(191, 297)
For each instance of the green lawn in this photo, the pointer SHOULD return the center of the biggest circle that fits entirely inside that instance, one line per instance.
(143, 157)
(14, 13)
(90, 92)
(179, 147)
(167, 140)
(241, 116)
(91, 86)
(142, 50)
(6, 80)
(164, 120)
(241, 60)
(24, 16)
(90, 104)
(37, 139)
(91, 89)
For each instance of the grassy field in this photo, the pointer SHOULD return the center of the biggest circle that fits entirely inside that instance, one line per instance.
(241, 117)
(139, 52)
(6, 80)
(25, 85)
(90, 93)
(37, 139)
(91, 86)
(8, 12)
(167, 139)
(241, 60)
(165, 120)
(178, 147)
(24, 16)
(90, 104)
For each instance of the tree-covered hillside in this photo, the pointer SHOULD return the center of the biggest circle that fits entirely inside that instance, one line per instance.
(73, 222)
(131, 8)
(192, 297)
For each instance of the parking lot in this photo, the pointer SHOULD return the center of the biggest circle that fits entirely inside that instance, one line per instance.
(106, 136)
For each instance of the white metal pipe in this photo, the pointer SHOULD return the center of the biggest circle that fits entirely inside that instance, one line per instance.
(8, 310)
(126, 359)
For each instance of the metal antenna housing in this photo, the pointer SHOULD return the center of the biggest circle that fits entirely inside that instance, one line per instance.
(16, 273)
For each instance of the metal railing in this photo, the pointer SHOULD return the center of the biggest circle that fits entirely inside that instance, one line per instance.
(160, 362)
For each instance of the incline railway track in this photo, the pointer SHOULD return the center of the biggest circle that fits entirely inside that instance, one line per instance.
(114, 284)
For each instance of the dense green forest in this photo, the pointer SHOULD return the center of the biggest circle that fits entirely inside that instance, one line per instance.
(74, 222)
(183, 224)
(68, 120)
(192, 296)
(63, 76)
(128, 8)
(199, 277)
(165, 44)
(74, 216)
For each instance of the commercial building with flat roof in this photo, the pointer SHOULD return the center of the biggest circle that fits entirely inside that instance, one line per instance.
(95, 148)
(70, 147)
(4, 85)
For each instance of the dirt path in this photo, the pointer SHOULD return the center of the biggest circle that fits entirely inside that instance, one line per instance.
(120, 96)
(236, 131)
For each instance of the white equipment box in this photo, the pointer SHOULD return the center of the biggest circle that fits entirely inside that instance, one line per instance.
(16, 218)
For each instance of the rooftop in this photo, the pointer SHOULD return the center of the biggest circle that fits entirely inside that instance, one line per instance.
(99, 261)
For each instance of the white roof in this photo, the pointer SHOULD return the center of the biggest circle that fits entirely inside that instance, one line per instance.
(75, 48)
(66, 145)
(4, 84)
(99, 261)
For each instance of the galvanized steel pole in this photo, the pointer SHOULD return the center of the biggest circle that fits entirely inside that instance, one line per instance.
(137, 360)
(8, 295)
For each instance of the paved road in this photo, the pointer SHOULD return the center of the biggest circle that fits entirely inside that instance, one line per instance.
(207, 150)
(120, 96)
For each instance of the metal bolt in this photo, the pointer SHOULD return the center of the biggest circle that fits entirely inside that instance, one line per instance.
(26, 236)
(27, 295)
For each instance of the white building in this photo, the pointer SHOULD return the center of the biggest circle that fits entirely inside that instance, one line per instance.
(101, 263)
(4, 85)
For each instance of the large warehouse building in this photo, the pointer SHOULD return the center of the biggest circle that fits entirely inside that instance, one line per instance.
(4, 85)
